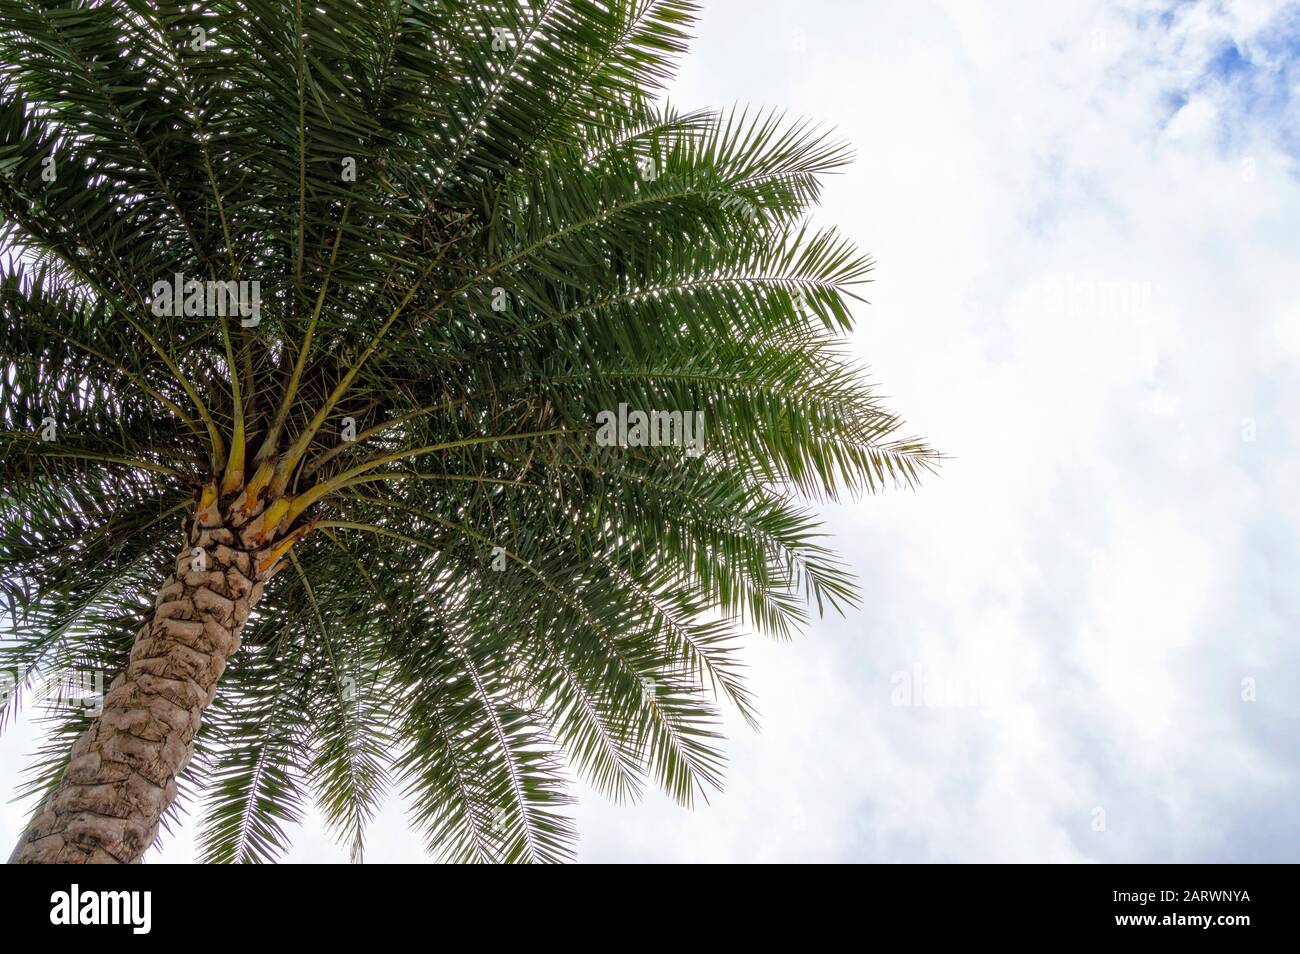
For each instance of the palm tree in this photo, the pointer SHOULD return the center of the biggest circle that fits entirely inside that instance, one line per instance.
(328, 330)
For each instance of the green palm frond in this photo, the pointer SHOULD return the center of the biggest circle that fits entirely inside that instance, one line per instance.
(476, 227)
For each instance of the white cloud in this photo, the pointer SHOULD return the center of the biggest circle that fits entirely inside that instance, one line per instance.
(1082, 292)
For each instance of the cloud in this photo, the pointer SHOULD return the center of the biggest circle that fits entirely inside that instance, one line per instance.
(1084, 219)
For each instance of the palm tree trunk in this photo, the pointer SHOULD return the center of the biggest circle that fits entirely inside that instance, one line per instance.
(122, 772)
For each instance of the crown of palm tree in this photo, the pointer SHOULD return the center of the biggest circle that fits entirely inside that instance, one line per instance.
(475, 227)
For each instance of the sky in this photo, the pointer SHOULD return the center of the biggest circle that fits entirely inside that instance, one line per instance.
(1078, 643)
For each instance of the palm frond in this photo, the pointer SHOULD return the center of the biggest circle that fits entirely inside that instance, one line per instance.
(476, 230)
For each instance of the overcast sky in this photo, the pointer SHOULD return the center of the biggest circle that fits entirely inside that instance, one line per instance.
(1080, 642)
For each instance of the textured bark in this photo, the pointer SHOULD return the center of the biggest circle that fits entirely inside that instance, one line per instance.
(122, 773)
